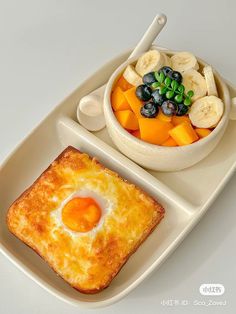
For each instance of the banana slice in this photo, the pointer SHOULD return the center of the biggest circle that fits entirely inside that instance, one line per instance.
(184, 61)
(166, 60)
(206, 112)
(210, 81)
(132, 76)
(152, 60)
(193, 80)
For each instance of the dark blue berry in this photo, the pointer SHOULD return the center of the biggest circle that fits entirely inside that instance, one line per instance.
(149, 78)
(166, 70)
(143, 92)
(149, 110)
(157, 97)
(169, 108)
(182, 110)
(176, 76)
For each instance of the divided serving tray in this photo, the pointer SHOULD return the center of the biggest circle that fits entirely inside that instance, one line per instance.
(186, 195)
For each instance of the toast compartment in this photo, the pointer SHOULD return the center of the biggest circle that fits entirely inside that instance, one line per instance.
(42, 146)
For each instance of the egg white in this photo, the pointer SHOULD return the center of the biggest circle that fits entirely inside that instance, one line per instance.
(104, 204)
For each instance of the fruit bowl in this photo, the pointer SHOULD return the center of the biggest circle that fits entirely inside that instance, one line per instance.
(157, 157)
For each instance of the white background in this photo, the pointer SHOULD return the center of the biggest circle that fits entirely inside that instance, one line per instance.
(47, 48)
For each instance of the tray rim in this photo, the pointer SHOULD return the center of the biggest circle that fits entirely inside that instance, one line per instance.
(191, 224)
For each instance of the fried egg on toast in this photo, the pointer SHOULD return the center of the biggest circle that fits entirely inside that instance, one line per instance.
(83, 220)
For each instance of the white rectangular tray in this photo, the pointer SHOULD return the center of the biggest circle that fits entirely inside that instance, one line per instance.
(186, 195)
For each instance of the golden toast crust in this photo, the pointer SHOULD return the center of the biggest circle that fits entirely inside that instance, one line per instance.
(89, 262)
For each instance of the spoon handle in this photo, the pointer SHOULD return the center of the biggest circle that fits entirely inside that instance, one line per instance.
(149, 36)
(90, 108)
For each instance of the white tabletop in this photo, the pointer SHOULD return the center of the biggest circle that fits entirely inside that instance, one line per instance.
(47, 48)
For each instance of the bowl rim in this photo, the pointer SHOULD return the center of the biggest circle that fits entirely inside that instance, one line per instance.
(142, 144)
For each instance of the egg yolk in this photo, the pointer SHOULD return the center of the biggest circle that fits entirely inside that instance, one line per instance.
(81, 214)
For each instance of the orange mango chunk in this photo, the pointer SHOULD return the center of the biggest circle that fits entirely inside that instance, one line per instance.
(137, 134)
(170, 142)
(178, 120)
(163, 117)
(202, 132)
(154, 131)
(133, 101)
(118, 100)
(127, 119)
(183, 134)
(123, 84)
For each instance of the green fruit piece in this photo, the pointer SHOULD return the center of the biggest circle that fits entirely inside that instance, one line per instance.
(168, 81)
(163, 90)
(187, 101)
(170, 94)
(190, 93)
(155, 85)
(178, 98)
(174, 85)
(181, 88)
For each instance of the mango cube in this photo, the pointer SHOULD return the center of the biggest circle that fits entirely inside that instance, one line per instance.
(118, 100)
(133, 101)
(123, 84)
(202, 132)
(127, 119)
(183, 134)
(170, 142)
(176, 120)
(154, 131)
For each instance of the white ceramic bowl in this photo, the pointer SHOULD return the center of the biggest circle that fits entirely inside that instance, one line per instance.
(159, 157)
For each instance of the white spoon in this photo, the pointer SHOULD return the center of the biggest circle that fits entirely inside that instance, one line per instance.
(90, 108)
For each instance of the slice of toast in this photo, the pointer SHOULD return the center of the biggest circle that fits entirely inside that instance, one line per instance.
(88, 261)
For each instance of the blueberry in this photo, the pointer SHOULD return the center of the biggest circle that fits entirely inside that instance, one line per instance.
(149, 110)
(149, 78)
(182, 110)
(157, 97)
(176, 76)
(169, 108)
(166, 70)
(143, 92)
